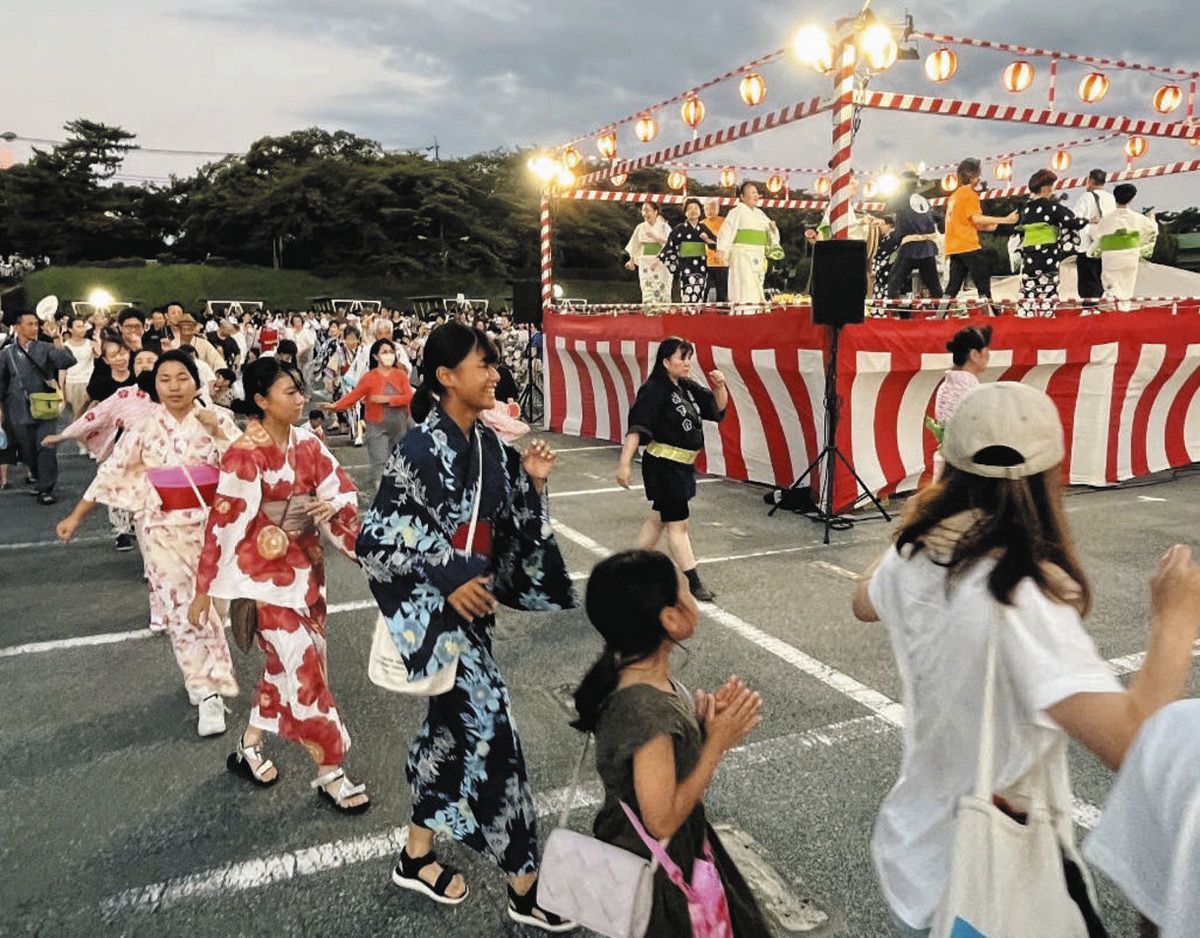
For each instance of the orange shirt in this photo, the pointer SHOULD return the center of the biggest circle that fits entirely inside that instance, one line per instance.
(394, 383)
(961, 235)
(714, 225)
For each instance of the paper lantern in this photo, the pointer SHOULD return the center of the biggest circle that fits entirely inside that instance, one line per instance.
(1018, 76)
(618, 180)
(1093, 88)
(676, 180)
(646, 128)
(941, 65)
(606, 144)
(572, 158)
(728, 178)
(1167, 98)
(949, 182)
(692, 111)
(1004, 170)
(821, 186)
(775, 183)
(1060, 161)
(1136, 147)
(753, 89)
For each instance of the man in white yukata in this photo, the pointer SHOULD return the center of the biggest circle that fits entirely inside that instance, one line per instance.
(1121, 239)
(745, 241)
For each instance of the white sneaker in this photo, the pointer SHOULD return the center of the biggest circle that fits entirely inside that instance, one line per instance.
(212, 716)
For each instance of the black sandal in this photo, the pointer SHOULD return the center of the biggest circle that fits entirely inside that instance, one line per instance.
(406, 876)
(525, 910)
(238, 764)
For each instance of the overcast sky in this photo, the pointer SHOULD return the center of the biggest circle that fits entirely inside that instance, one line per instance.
(480, 74)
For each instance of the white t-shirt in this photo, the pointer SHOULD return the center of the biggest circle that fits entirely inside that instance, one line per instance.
(940, 643)
(1089, 205)
(85, 361)
(1148, 838)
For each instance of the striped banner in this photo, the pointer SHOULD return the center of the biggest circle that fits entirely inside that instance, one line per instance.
(977, 110)
(663, 198)
(547, 254)
(1125, 386)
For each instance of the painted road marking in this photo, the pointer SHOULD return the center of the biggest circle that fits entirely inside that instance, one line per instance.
(615, 488)
(28, 545)
(833, 568)
(775, 895)
(587, 449)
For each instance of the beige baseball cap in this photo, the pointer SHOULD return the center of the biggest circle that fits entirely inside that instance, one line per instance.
(1004, 430)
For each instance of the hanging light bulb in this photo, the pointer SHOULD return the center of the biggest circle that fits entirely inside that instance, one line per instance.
(941, 65)
(728, 178)
(1060, 161)
(949, 182)
(753, 89)
(1018, 76)
(646, 128)
(1093, 88)
(1167, 98)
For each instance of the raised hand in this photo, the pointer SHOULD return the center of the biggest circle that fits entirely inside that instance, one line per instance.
(538, 460)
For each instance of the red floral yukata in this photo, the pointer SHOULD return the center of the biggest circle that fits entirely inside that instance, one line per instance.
(293, 698)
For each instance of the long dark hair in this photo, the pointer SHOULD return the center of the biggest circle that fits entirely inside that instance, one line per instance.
(668, 347)
(626, 595)
(175, 355)
(258, 378)
(446, 347)
(1022, 523)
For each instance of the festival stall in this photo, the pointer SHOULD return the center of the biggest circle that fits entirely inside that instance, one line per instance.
(1125, 383)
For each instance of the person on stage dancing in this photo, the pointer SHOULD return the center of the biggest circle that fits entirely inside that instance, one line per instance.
(747, 237)
(684, 254)
(666, 418)
(643, 248)
(1050, 235)
(718, 270)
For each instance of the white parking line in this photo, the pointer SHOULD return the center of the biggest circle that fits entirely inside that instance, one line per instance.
(29, 545)
(105, 638)
(615, 488)
(834, 569)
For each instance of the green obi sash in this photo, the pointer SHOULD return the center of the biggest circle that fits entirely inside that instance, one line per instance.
(774, 253)
(1039, 234)
(691, 249)
(825, 232)
(750, 236)
(651, 248)
(1120, 240)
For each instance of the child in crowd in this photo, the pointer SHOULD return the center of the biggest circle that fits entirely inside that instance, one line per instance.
(316, 423)
(657, 747)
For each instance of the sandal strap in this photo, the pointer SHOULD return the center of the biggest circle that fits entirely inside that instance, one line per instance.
(444, 879)
(332, 776)
(415, 864)
(346, 791)
(263, 768)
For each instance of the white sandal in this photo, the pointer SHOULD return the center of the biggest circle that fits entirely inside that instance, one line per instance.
(239, 764)
(345, 792)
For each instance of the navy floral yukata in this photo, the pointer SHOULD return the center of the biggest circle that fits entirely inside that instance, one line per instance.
(466, 767)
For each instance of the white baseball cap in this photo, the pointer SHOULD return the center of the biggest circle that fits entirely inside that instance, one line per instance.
(1004, 430)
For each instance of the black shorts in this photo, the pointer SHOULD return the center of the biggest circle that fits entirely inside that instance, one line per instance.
(669, 486)
(672, 509)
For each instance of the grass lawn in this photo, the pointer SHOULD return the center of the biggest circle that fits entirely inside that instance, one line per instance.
(193, 284)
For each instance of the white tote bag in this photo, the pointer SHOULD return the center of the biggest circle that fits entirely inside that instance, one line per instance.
(1006, 878)
(385, 665)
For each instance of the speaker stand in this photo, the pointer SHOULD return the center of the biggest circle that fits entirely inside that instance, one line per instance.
(531, 394)
(830, 455)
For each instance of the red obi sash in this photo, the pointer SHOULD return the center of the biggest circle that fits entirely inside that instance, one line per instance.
(178, 492)
(483, 538)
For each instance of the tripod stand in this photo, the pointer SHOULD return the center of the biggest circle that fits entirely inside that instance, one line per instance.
(829, 456)
(532, 400)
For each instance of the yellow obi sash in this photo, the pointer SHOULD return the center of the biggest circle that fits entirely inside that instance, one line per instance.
(674, 453)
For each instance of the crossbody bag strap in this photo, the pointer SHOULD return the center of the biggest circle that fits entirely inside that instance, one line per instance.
(50, 382)
(478, 495)
(573, 790)
(987, 724)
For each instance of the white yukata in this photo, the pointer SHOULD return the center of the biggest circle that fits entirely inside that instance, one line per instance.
(643, 249)
(747, 262)
(1120, 267)
(171, 540)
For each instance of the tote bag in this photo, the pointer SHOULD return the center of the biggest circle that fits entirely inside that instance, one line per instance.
(1006, 878)
(385, 664)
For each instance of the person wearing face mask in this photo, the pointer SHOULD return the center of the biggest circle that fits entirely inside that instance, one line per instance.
(643, 248)
(387, 393)
(747, 238)
(164, 470)
(684, 254)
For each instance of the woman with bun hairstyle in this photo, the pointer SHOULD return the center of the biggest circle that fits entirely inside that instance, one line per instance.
(460, 525)
(280, 489)
(1050, 233)
(657, 745)
(969, 351)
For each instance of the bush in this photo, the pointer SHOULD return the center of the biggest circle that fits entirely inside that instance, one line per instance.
(1166, 249)
(167, 257)
(216, 260)
(119, 262)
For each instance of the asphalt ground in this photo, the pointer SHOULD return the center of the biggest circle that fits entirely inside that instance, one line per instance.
(118, 819)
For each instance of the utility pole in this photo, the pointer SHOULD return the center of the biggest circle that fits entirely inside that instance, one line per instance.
(436, 149)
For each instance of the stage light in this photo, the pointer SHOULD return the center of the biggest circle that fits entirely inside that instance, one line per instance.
(813, 48)
(888, 184)
(544, 167)
(878, 47)
(558, 291)
(100, 298)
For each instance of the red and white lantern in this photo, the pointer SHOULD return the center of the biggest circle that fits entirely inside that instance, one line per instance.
(1060, 161)
(775, 183)
(753, 89)
(606, 144)
(1018, 76)
(1167, 98)
(1004, 170)
(1136, 147)
(949, 182)
(941, 65)
(728, 178)
(676, 180)
(1093, 88)
(572, 158)
(618, 180)
(821, 186)
(646, 128)
(692, 111)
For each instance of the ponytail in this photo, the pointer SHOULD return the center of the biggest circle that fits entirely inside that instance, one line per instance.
(446, 347)
(600, 681)
(422, 402)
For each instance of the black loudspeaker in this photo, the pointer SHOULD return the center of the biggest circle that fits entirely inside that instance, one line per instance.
(527, 302)
(839, 282)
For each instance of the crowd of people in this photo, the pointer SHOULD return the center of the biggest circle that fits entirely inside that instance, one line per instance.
(16, 266)
(715, 259)
(215, 467)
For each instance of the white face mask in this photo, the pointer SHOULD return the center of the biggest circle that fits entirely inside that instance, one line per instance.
(387, 359)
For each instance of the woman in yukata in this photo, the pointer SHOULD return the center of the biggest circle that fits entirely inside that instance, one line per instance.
(178, 435)
(439, 594)
(644, 247)
(280, 489)
(686, 250)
